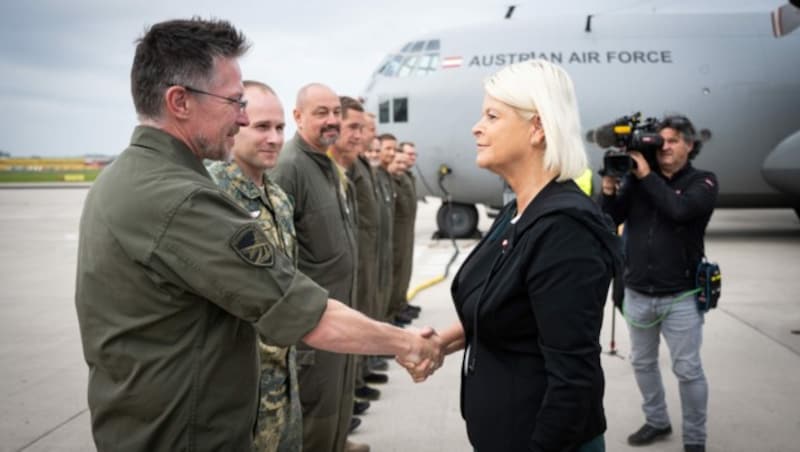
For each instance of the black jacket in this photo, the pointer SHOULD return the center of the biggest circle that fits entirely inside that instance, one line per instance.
(665, 221)
(531, 297)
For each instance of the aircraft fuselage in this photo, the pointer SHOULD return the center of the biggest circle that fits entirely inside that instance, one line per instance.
(738, 83)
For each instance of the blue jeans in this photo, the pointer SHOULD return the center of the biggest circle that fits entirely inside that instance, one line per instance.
(683, 331)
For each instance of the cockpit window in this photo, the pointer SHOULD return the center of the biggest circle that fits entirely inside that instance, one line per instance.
(416, 58)
(408, 66)
(391, 66)
(427, 64)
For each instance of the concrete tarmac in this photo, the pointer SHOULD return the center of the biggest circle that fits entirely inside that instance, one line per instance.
(751, 357)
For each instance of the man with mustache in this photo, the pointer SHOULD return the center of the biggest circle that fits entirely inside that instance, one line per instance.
(326, 234)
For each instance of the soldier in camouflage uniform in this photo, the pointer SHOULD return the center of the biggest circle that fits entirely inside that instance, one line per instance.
(255, 150)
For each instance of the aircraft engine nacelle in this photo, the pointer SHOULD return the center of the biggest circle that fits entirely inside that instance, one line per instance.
(781, 168)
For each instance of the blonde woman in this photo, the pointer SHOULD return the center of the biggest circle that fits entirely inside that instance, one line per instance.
(530, 296)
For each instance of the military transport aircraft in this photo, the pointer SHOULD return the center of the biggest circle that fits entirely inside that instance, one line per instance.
(735, 74)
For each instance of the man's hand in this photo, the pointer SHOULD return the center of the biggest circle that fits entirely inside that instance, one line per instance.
(610, 185)
(642, 168)
(425, 354)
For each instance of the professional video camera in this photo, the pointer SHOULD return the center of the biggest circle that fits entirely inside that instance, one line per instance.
(628, 133)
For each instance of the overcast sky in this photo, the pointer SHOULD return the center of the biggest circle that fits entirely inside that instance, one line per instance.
(65, 65)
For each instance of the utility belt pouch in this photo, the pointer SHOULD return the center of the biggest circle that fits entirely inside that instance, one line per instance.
(709, 281)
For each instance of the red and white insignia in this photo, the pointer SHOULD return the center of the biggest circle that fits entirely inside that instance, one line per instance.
(452, 62)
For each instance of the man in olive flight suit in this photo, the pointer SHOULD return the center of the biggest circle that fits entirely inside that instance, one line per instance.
(369, 210)
(405, 213)
(326, 235)
(344, 153)
(405, 206)
(374, 220)
(386, 187)
(174, 279)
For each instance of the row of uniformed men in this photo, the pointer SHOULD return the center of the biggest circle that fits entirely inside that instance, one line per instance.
(341, 202)
(179, 285)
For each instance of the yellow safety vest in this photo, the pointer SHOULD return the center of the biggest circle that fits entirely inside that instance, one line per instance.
(584, 181)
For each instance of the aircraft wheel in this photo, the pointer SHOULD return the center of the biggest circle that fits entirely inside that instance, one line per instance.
(457, 220)
(796, 211)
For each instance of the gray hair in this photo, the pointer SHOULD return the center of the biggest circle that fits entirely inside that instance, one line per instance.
(179, 52)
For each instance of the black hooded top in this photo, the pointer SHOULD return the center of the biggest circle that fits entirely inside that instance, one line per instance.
(530, 297)
(665, 223)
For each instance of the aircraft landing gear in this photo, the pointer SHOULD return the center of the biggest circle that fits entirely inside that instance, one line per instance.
(457, 220)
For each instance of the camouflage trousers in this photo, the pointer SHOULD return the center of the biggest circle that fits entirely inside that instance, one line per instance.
(279, 427)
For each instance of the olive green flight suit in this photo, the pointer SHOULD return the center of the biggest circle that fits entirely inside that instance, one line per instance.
(172, 278)
(385, 241)
(280, 418)
(367, 198)
(405, 213)
(325, 223)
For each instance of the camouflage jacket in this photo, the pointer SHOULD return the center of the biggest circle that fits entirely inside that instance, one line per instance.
(280, 426)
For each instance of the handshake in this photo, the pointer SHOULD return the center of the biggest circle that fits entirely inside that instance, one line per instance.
(424, 353)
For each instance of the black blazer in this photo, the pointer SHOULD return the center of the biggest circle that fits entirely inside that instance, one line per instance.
(531, 298)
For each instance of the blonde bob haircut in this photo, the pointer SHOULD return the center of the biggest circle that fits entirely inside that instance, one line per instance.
(538, 87)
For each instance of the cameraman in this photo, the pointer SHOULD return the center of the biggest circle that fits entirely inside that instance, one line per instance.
(665, 211)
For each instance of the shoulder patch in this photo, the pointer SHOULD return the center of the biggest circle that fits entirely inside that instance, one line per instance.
(251, 244)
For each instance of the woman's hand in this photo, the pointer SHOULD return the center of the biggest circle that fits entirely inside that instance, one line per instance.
(425, 356)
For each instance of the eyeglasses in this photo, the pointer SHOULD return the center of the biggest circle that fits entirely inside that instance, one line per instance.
(240, 102)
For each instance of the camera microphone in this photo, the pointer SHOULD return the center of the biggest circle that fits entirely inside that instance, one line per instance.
(603, 136)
